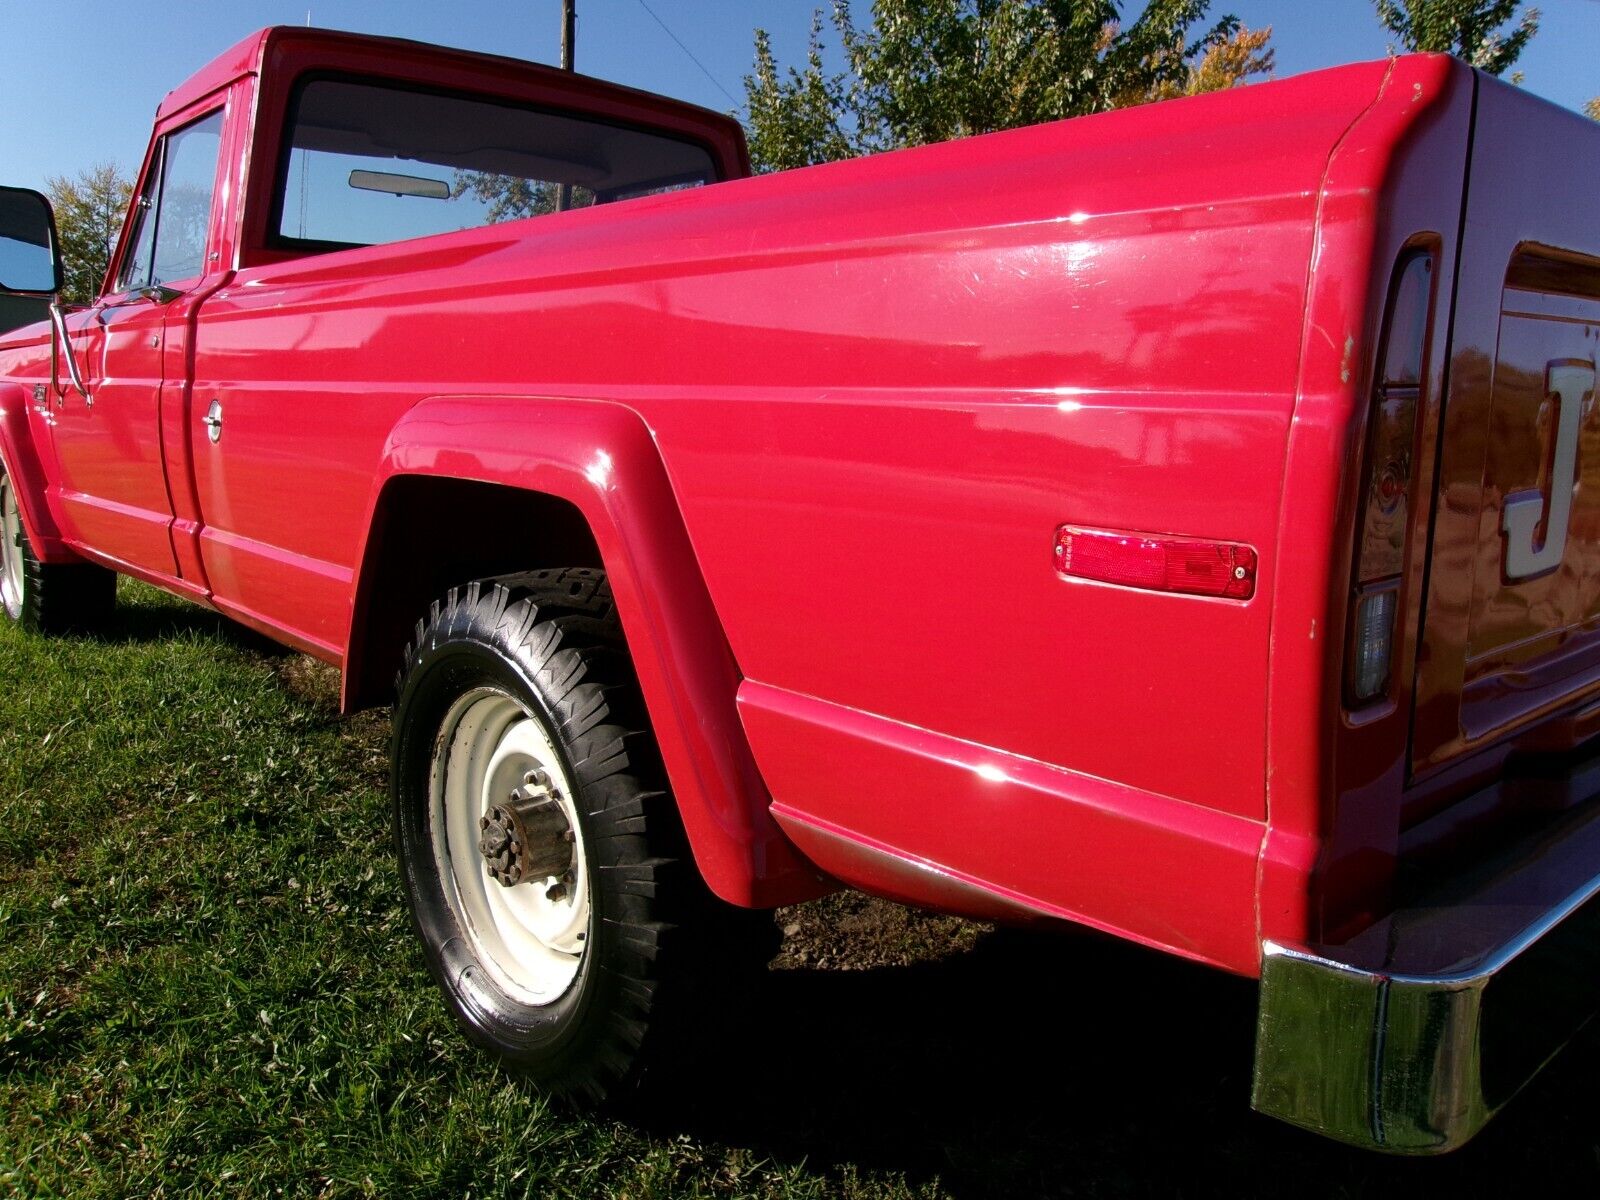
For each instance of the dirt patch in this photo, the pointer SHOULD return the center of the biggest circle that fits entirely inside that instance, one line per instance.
(307, 679)
(852, 932)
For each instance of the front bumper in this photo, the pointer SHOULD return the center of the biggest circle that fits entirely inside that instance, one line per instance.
(1411, 1036)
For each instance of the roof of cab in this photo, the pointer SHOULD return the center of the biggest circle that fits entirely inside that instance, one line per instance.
(246, 57)
(242, 58)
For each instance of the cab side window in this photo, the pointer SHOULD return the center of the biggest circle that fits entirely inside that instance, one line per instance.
(174, 213)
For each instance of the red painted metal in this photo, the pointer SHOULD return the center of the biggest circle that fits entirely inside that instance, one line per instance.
(913, 814)
(20, 456)
(820, 426)
(599, 458)
(1393, 184)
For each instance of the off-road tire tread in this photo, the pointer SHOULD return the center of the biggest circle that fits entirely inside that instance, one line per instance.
(666, 934)
(62, 598)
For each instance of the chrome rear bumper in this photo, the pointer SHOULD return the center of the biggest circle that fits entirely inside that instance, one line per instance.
(1411, 1036)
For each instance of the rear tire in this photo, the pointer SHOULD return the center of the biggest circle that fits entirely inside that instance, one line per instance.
(517, 697)
(48, 598)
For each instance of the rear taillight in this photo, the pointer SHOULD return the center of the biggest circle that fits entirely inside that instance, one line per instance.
(1384, 519)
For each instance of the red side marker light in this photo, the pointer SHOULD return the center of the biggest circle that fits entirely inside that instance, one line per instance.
(1157, 564)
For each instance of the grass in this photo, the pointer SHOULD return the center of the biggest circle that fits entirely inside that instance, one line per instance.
(208, 987)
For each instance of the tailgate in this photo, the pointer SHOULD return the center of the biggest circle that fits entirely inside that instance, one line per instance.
(1511, 625)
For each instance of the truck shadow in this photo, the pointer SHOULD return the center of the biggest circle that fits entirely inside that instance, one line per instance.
(156, 618)
(1043, 1065)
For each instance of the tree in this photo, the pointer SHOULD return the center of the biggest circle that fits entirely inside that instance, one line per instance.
(508, 197)
(89, 211)
(511, 197)
(1592, 109)
(929, 70)
(1472, 30)
(1245, 52)
(800, 120)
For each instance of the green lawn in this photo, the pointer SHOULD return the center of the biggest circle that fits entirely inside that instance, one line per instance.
(208, 987)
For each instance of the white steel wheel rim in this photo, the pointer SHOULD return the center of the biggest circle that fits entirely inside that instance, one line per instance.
(11, 577)
(530, 943)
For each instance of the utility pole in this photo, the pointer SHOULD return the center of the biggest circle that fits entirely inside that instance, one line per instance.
(569, 45)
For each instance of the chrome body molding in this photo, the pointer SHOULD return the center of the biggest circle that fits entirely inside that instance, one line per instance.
(1410, 1037)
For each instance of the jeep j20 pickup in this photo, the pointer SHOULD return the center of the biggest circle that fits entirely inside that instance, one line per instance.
(1183, 522)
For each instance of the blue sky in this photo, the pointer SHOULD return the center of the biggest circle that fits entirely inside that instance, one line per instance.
(81, 81)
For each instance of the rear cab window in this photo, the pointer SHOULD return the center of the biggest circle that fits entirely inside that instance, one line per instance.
(367, 162)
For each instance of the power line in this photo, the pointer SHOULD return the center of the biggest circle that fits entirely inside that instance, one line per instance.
(690, 53)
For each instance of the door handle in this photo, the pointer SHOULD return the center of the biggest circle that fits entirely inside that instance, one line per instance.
(153, 293)
(213, 422)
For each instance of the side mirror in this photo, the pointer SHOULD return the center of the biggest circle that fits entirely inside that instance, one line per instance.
(30, 256)
(30, 265)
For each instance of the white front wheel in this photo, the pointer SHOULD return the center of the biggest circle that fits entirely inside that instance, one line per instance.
(508, 845)
(13, 574)
(541, 852)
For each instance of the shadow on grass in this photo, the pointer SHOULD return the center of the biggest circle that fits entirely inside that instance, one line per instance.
(152, 616)
(1041, 1065)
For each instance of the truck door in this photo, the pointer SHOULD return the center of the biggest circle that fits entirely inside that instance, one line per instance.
(1511, 623)
(114, 494)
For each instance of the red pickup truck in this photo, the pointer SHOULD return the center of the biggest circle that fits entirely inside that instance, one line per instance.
(1183, 522)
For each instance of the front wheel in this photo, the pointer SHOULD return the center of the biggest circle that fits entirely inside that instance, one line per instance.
(47, 597)
(545, 865)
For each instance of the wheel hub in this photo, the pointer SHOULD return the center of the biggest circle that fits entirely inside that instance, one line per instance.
(527, 836)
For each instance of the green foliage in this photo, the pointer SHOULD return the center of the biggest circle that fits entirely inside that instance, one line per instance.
(1246, 52)
(508, 196)
(800, 119)
(1472, 30)
(89, 211)
(929, 70)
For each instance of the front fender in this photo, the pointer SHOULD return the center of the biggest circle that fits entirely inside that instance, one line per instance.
(26, 470)
(600, 458)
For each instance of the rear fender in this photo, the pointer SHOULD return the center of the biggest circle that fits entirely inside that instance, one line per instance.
(27, 474)
(600, 458)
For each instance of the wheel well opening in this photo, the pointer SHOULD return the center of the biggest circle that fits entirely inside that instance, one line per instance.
(430, 535)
